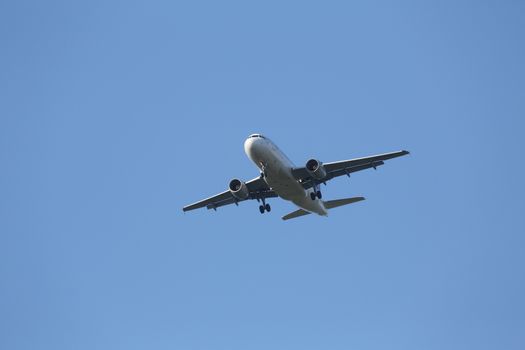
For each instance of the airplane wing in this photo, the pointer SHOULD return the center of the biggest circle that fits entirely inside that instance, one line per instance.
(257, 187)
(344, 167)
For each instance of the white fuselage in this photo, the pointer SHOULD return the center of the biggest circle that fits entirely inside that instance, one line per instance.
(277, 169)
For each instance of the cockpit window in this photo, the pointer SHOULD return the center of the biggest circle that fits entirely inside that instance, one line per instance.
(257, 136)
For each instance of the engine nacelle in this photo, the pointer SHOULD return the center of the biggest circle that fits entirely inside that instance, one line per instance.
(316, 169)
(239, 189)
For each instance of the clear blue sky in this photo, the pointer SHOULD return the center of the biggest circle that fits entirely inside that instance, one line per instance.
(115, 114)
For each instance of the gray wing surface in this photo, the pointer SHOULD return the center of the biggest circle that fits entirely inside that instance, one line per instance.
(257, 187)
(345, 167)
(295, 214)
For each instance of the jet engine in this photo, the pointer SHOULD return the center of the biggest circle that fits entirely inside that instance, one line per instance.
(316, 169)
(239, 189)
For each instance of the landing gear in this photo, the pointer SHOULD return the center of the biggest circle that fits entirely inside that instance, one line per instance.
(264, 207)
(263, 170)
(316, 193)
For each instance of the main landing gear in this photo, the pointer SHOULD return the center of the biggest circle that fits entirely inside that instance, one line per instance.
(264, 207)
(316, 193)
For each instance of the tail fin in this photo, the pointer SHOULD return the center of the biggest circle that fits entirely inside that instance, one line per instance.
(340, 202)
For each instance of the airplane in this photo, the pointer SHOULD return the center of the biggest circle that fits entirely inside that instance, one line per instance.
(279, 177)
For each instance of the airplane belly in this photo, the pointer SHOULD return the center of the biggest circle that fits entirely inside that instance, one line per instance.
(283, 183)
(313, 206)
(278, 176)
(290, 189)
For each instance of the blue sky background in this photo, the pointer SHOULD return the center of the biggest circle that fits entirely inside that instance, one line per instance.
(115, 114)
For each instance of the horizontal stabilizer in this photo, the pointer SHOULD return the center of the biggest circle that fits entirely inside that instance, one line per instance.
(295, 214)
(328, 205)
(340, 202)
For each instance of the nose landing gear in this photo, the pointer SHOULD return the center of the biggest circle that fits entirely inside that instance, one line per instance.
(263, 170)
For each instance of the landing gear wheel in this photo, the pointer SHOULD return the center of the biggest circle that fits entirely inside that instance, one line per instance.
(261, 209)
(319, 194)
(312, 196)
(268, 208)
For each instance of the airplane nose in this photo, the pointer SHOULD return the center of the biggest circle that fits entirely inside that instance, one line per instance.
(251, 146)
(248, 147)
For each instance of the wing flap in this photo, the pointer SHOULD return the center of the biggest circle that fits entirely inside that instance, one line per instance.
(333, 166)
(345, 167)
(346, 171)
(223, 196)
(216, 205)
(257, 187)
